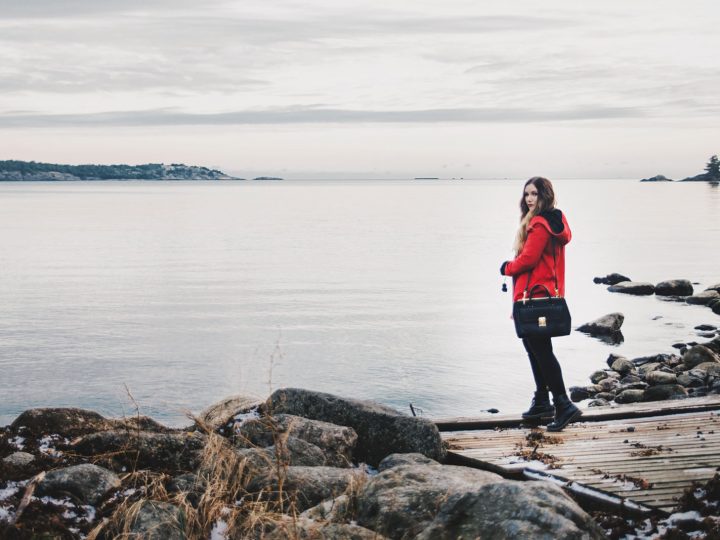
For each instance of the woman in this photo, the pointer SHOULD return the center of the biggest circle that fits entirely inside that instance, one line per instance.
(543, 230)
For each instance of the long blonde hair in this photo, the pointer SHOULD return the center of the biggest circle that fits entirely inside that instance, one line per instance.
(545, 201)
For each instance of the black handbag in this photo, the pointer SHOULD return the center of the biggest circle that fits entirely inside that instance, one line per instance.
(545, 316)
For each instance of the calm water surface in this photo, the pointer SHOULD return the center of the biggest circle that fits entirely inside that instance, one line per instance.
(182, 293)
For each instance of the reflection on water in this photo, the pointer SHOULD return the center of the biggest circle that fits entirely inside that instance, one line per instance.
(187, 292)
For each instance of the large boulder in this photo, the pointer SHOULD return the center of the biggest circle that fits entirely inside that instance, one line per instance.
(638, 288)
(630, 396)
(509, 509)
(623, 366)
(419, 498)
(87, 482)
(123, 450)
(66, 422)
(18, 459)
(611, 279)
(605, 325)
(674, 287)
(223, 412)
(703, 298)
(336, 442)
(661, 377)
(699, 354)
(304, 487)
(381, 430)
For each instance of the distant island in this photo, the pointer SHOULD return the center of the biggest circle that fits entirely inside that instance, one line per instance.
(19, 171)
(711, 174)
(267, 178)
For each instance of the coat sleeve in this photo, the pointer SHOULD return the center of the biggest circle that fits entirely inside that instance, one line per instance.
(528, 258)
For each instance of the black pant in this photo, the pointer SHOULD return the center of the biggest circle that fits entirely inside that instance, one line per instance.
(545, 367)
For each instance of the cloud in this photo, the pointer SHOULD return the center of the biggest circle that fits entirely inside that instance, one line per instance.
(313, 115)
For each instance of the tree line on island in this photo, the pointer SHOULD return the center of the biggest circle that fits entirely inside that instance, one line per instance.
(15, 170)
(711, 174)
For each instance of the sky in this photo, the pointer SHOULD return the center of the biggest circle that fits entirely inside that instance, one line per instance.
(372, 89)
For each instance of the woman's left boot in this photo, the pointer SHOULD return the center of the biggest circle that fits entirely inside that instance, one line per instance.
(565, 412)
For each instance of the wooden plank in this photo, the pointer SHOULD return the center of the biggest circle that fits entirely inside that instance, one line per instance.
(592, 414)
(596, 454)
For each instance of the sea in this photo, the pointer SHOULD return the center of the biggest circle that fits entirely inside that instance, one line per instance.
(164, 297)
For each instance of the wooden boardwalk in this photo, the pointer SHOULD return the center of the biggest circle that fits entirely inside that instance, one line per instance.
(642, 456)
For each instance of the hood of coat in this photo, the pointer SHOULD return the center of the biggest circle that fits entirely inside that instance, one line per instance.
(556, 224)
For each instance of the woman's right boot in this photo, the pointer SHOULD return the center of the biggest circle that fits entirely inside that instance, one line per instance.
(540, 407)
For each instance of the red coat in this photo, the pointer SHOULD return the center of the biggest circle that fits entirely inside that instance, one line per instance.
(537, 256)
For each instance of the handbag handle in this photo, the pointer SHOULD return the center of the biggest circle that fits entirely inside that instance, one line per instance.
(540, 286)
(557, 291)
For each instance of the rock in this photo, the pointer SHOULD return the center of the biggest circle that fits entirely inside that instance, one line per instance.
(66, 422)
(654, 358)
(606, 385)
(578, 393)
(705, 327)
(598, 376)
(678, 346)
(661, 377)
(630, 396)
(674, 287)
(630, 379)
(647, 368)
(87, 482)
(156, 520)
(606, 396)
(337, 510)
(381, 430)
(303, 528)
(698, 355)
(690, 381)
(702, 298)
(511, 510)
(623, 366)
(598, 403)
(710, 369)
(637, 288)
(657, 178)
(288, 451)
(605, 325)
(221, 413)
(336, 442)
(632, 386)
(193, 485)
(305, 487)
(139, 423)
(158, 451)
(611, 279)
(664, 391)
(19, 459)
(403, 499)
(715, 288)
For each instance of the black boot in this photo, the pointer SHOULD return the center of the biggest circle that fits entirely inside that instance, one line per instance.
(565, 412)
(540, 407)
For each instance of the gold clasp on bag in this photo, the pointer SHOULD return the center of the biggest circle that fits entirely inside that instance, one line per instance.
(542, 321)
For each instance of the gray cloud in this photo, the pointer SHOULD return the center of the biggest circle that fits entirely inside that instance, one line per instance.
(305, 115)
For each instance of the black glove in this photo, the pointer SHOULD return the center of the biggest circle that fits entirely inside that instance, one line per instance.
(502, 268)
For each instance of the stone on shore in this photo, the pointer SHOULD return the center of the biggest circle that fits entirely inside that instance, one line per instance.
(303, 528)
(605, 325)
(155, 520)
(661, 377)
(715, 287)
(703, 298)
(288, 451)
(630, 396)
(637, 288)
(381, 430)
(699, 354)
(420, 499)
(221, 413)
(336, 442)
(19, 459)
(665, 391)
(125, 450)
(611, 279)
(87, 482)
(623, 366)
(305, 487)
(66, 422)
(674, 287)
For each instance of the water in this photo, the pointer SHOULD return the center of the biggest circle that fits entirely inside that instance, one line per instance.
(181, 293)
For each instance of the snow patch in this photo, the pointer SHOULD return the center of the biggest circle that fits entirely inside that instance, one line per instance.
(18, 442)
(219, 530)
(11, 489)
(6, 514)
